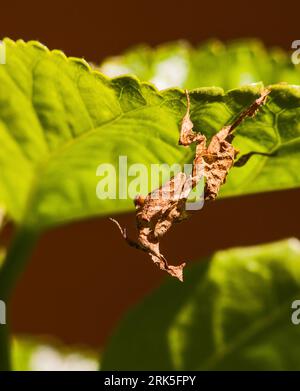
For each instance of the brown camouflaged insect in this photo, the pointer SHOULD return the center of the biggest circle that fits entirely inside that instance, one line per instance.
(161, 208)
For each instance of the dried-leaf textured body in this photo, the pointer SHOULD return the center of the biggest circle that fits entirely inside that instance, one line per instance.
(160, 209)
(218, 159)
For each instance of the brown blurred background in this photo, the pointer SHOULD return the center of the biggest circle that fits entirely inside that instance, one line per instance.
(82, 278)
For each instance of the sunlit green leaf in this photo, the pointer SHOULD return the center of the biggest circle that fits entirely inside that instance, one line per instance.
(59, 120)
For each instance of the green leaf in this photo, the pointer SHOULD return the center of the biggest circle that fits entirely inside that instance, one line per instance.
(35, 354)
(231, 313)
(59, 120)
(210, 64)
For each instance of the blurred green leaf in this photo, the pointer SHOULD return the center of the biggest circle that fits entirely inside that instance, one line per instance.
(233, 312)
(210, 64)
(59, 120)
(35, 354)
(22, 349)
